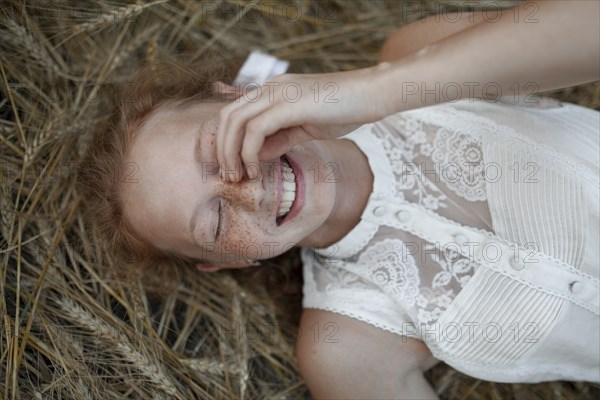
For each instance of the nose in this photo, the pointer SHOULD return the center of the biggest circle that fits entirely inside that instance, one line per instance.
(248, 193)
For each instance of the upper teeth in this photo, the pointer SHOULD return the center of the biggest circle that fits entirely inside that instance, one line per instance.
(289, 190)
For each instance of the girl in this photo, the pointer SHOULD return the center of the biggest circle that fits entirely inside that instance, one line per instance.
(465, 232)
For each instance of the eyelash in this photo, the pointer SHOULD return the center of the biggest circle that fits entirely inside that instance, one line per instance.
(220, 214)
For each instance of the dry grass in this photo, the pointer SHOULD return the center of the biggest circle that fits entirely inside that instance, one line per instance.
(70, 329)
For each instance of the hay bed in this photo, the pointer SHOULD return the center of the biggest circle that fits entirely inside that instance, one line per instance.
(69, 328)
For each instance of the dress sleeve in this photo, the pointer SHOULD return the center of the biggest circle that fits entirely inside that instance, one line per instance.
(336, 289)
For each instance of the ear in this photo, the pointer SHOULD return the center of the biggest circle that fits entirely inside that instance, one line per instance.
(227, 90)
(204, 267)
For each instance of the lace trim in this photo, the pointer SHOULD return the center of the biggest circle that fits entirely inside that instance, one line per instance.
(397, 151)
(362, 319)
(524, 374)
(461, 269)
(352, 243)
(460, 121)
(468, 180)
(386, 269)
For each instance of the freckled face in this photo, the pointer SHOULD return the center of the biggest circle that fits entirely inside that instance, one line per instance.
(176, 200)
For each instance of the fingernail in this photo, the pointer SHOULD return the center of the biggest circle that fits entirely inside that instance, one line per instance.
(252, 173)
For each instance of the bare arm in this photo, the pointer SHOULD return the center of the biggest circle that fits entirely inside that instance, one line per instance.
(533, 47)
(426, 31)
(536, 46)
(343, 358)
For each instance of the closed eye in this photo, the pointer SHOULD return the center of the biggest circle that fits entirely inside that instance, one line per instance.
(220, 212)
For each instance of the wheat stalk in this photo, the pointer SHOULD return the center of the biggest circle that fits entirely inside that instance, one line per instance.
(114, 16)
(41, 44)
(209, 366)
(122, 345)
(241, 339)
(22, 39)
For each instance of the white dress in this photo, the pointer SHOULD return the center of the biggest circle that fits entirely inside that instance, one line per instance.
(480, 238)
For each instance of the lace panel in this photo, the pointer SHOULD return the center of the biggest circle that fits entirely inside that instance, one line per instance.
(421, 278)
(438, 168)
(442, 169)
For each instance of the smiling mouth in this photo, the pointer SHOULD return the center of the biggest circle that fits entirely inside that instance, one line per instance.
(289, 191)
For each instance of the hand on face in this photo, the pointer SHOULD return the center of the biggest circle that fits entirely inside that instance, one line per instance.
(179, 203)
(266, 122)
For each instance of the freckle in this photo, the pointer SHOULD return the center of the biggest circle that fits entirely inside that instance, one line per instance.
(231, 190)
(239, 239)
(240, 235)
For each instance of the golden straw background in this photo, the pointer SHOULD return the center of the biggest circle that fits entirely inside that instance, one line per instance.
(71, 326)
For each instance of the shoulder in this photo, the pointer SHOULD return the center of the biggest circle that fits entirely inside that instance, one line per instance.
(327, 339)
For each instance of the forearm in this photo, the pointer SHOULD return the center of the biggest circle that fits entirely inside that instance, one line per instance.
(510, 56)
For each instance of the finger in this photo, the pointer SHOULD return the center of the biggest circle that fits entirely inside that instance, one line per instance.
(223, 122)
(262, 126)
(225, 117)
(231, 133)
(232, 143)
(250, 153)
(281, 142)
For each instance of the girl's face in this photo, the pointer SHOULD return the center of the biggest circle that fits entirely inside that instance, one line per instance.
(175, 199)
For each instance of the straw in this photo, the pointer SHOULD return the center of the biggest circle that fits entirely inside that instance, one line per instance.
(71, 329)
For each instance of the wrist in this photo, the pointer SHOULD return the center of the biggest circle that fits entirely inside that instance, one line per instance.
(413, 81)
(380, 90)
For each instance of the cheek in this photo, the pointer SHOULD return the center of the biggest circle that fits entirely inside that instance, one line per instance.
(242, 237)
(238, 230)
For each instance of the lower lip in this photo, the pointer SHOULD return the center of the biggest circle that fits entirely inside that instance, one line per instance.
(300, 189)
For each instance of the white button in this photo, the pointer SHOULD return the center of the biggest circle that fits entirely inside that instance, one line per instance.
(516, 264)
(460, 238)
(403, 216)
(379, 211)
(575, 287)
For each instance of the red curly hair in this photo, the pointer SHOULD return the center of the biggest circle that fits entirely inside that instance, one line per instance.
(103, 171)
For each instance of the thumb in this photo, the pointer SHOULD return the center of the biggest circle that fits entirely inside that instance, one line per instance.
(281, 141)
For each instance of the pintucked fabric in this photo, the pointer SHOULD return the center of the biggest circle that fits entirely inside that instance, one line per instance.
(480, 238)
